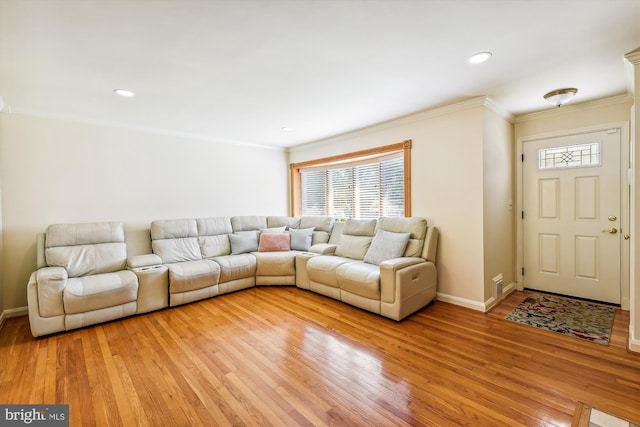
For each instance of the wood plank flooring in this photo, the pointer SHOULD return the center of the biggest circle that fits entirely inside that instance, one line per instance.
(283, 356)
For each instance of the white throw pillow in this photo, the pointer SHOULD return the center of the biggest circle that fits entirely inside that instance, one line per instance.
(243, 242)
(386, 245)
(301, 239)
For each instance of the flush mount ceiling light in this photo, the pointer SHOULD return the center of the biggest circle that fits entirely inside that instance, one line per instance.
(286, 129)
(124, 92)
(560, 97)
(479, 57)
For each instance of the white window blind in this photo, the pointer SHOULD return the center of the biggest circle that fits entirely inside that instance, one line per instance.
(359, 189)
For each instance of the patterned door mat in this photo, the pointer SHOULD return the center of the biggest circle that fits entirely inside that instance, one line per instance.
(578, 319)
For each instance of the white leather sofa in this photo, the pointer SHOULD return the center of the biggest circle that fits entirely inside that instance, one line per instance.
(386, 266)
(81, 278)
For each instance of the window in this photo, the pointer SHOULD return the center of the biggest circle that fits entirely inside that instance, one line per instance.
(570, 156)
(361, 185)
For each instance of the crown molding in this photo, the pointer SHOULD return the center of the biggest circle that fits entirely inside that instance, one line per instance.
(582, 106)
(508, 116)
(633, 56)
(119, 125)
(398, 121)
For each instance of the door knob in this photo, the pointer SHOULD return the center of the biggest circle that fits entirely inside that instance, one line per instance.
(611, 230)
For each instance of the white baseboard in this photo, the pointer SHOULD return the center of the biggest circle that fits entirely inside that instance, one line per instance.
(463, 302)
(476, 305)
(634, 343)
(492, 302)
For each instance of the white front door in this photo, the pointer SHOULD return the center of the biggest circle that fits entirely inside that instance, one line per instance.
(571, 217)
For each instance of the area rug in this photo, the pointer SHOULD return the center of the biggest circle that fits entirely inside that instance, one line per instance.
(573, 318)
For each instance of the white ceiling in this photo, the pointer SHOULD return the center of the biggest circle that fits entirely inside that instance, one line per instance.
(239, 71)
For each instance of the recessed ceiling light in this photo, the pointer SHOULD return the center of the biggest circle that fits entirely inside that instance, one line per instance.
(124, 92)
(286, 129)
(479, 57)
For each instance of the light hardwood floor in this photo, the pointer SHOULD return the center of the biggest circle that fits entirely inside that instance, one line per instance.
(284, 356)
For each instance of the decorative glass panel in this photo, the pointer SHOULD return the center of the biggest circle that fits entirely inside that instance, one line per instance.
(570, 156)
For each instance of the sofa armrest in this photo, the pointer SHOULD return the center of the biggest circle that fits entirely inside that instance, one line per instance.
(388, 270)
(141, 261)
(323, 248)
(51, 281)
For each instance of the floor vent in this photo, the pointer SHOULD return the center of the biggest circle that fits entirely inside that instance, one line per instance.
(498, 282)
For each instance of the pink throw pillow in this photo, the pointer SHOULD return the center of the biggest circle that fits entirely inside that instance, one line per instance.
(271, 242)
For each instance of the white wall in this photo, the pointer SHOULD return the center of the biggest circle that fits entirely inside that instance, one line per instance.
(60, 171)
(633, 59)
(499, 198)
(447, 186)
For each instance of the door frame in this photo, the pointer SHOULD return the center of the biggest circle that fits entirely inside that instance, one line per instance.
(625, 209)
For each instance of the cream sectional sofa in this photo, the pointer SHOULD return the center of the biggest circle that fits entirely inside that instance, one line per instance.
(84, 276)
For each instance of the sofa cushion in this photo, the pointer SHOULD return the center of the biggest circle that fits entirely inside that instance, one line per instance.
(278, 221)
(243, 242)
(386, 245)
(360, 278)
(85, 260)
(175, 240)
(212, 246)
(177, 250)
(417, 227)
(354, 247)
(322, 226)
(281, 229)
(336, 232)
(301, 239)
(234, 267)
(322, 269)
(246, 223)
(214, 226)
(213, 236)
(84, 234)
(83, 294)
(173, 229)
(85, 249)
(273, 242)
(360, 227)
(192, 275)
(275, 263)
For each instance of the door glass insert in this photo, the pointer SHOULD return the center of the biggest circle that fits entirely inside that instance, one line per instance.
(570, 156)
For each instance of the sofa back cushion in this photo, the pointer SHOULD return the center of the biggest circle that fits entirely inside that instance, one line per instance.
(248, 223)
(86, 249)
(322, 226)
(336, 232)
(356, 238)
(280, 221)
(213, 236)
(175, 240)
(416, 227)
